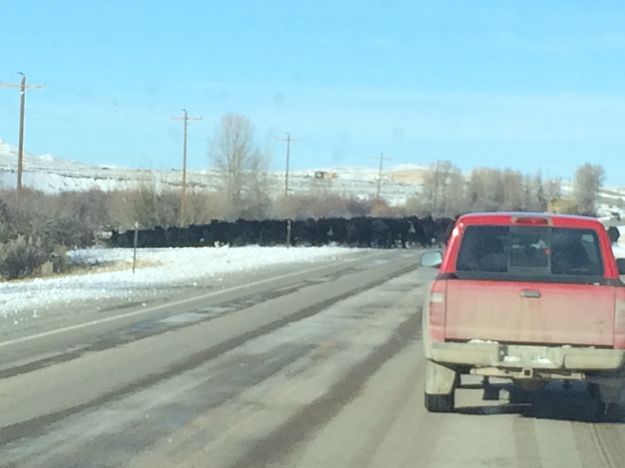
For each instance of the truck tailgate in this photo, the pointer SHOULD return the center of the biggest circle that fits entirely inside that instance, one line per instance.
(547, 313)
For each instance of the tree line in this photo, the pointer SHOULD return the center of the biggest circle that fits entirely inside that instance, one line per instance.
(244, 191)
(446, 191)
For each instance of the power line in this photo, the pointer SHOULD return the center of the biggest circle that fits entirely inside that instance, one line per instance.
(288, 140)
(183, 199)
(22, 86)
(381, 158)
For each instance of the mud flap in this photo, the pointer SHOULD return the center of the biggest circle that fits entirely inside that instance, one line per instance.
(439, 380)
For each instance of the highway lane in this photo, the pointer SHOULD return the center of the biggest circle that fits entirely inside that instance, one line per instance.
(217, 320)
(71, 329)
(319, 369)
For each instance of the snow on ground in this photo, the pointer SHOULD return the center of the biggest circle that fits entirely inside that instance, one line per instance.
(619, 250)
(619, 247)
(161, 268)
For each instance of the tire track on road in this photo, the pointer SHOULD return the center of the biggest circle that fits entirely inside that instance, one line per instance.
(609, 437)
(525, 442)
(295, 431)
(593, 452)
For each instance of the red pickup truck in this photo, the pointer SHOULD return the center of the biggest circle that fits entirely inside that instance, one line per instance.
(528, 297)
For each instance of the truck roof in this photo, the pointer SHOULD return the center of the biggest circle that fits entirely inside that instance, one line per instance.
(529, 218)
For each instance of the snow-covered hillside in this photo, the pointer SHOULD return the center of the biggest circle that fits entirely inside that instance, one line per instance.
(53, 175)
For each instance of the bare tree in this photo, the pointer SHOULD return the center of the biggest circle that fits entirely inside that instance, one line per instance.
(257, 202)
(539, 192)
(242, 167)
(146, 205)
(512, 186)
(588, 181)
(456, 201)
(534, 196)
(443, 190)
(553, 189)
(485, 189)
(446, 192)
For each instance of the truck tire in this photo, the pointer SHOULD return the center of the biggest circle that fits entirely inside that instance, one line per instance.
(439, 403)
(440, 387)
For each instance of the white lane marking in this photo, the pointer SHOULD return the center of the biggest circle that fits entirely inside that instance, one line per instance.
(148, 310)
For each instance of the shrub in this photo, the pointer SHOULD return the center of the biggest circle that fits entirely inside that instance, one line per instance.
(24, 256)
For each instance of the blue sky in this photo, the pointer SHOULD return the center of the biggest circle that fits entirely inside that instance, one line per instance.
(528, 84)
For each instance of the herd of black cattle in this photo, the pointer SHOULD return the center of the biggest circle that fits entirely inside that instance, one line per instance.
(353, 232)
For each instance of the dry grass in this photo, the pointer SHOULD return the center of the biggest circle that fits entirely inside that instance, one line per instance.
(106, 267)
(81, 269)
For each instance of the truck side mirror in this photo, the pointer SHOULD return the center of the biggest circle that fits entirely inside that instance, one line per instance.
(620, 263)
(433, 258)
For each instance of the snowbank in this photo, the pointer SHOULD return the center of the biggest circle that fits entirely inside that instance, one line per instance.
(179, 266)
(619, 250)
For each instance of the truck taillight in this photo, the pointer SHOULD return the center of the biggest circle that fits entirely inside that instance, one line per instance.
(619, 323)
(532, 220)
(436, 317)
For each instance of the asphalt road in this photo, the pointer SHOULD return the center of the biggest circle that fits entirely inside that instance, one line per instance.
(307, 366)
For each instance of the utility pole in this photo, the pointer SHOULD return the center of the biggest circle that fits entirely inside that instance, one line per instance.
(435, 191)
(22, 86)
(288, 140)
(183, 199)
(381, 158)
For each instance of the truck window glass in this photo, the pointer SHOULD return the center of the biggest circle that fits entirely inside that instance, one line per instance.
(529, 248)
(575, 252)
(530, 253)
(484, 249)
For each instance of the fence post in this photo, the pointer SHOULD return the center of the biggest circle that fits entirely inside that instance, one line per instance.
(134, 243)
(288, 234)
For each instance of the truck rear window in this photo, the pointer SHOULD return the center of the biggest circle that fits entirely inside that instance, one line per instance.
(530, 253)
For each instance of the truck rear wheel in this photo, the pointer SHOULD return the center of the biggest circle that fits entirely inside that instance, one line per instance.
(439, 403)
(440, 385)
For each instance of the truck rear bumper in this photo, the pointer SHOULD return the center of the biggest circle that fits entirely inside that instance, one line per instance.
(507, 356)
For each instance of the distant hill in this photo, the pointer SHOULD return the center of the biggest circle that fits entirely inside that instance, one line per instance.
(53, 175)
